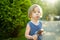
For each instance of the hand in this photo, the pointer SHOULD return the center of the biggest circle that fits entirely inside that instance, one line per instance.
(34, 37)
(40, 32)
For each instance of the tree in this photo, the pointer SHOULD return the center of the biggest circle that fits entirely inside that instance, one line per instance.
(13, 17)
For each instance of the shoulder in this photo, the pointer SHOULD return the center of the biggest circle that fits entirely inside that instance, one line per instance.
(40, 21)
(28, 24)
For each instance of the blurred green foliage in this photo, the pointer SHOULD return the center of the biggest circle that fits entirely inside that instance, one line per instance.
(13, 17)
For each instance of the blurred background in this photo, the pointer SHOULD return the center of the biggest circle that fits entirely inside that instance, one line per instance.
(14, 17)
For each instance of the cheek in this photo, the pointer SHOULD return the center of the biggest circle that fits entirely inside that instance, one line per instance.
(39, 14)
(33, 15)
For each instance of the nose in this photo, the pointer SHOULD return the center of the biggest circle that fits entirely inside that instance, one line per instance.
(37, 14)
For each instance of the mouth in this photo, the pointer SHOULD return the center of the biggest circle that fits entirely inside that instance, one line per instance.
(37, 16)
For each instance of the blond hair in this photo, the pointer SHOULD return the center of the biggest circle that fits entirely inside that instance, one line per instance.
(32, 8)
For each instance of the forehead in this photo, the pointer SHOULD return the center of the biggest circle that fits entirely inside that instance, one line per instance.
(36, 8)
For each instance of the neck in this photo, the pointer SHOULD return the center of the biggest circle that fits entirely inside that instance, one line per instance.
(35, 21)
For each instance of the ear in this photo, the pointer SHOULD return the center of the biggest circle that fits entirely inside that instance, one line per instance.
(30, 15)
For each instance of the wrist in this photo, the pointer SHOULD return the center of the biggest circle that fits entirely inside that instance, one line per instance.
(31, 37)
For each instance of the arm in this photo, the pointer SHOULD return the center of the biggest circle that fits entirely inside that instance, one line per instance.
(27, 32)
(41, 30)
(34, 37)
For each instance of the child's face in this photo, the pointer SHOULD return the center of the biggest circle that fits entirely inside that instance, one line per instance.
(36, 13)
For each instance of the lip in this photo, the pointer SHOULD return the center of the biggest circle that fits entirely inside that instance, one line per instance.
(37, 16)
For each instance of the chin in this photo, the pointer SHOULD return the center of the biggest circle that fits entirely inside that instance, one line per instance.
(36, 19)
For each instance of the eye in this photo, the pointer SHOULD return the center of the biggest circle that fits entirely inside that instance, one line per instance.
(38, 11)
(34, 11)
